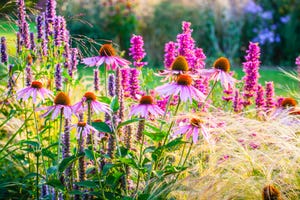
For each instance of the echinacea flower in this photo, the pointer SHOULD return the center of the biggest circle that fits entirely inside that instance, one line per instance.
(96, 106)
(62, 104)
(290, 104)
(34, 90)
(145, 108)
(107, 55)
(220, 72)
(183, 86)
(179, 66)
(83, 129)
(192, 128)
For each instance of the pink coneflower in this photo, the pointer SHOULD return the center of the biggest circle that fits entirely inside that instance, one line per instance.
(84, 129)
(62, 104)
(220, 72)
(35, 89)
(183, 87)
(179, 66)
(145, 108)
(108, 56)
(192, 128)
(96, 106)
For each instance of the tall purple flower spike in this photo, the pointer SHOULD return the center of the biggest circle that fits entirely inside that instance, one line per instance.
(137, 50)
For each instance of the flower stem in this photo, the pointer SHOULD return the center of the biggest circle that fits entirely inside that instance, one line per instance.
(214, 85)
(140, 162)
(37, 176)
(89, 122)
(166, 110)
(186, 157)
(59, 135)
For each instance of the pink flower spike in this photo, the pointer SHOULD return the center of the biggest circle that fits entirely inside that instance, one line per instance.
(34, 90)
(107, 56)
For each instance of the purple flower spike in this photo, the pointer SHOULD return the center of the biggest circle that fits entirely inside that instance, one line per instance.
(50, 10)
(111, 85)
(58, 77)
(32, 42)
(134, 81)
(237, 102)
(25, 35)
(137, 50)
(39, 27)
(74, 61)
(270, 102)
(199, 59)
(259, 101)
(96, 80)
(3, 47)
(45, 47)
(56, 29)
(28, 75)
(125, 81)
(298, 65)
(19, 42)
(170, 54)
(251, 67)
(21, 14)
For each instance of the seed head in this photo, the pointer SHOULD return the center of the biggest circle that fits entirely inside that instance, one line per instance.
(271, 193)
(184, 79)
(81, 124)
(146, 100)
(222, 63)
(196, 122)
(90, 96)
(107, 50)
(62, 99)
(36, 84)
(180, 64)
(288, 102)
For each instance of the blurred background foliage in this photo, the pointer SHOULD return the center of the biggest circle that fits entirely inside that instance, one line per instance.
(220, 27)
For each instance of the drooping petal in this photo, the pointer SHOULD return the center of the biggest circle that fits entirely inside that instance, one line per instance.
(91, 61)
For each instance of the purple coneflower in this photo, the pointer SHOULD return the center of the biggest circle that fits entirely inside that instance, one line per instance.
(34, 90)
(183, 87)
(96, 106)
(137, 50)
(192, 128)
(179, 66)
(170, 54)
(146, 108)
(84, 129)
(220, 72)
(108, 56)
(62, 104)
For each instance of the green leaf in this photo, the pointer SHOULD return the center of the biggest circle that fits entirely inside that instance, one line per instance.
(155, 136)
(65, 163)
(106, 168)
(129, 122)
(89, 184)
(114, 105)
(56, 184)
(174, 143)
(52, 170)
(149, 149)
(34, 144)
(88, 153)
(102, 127)
(104, 99)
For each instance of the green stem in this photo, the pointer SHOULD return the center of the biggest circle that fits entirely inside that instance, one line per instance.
(140, 162)
(187, 155)
(214, 85)
(166, 110)
(105, 80)
(37, 177)
(38, 137)
(183, 149)
(59, 135)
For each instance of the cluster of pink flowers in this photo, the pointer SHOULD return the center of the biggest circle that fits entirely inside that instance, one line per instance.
(251, 67)
(137, 50)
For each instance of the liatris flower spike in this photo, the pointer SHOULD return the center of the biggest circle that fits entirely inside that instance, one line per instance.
(107, 55)
(192, 127)
(96, 106)
(34, 90)
(182, 86)
(146, 108)
(220, 72)
(62, 103)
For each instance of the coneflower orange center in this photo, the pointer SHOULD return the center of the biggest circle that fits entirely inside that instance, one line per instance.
(90, 96)
(180, 64)
(196, 122)
(81, 124)
(107, 50)
(184, 79)
(36, 84)
(288, 102)
(223, 64)
(146, 100)
(62, 99)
